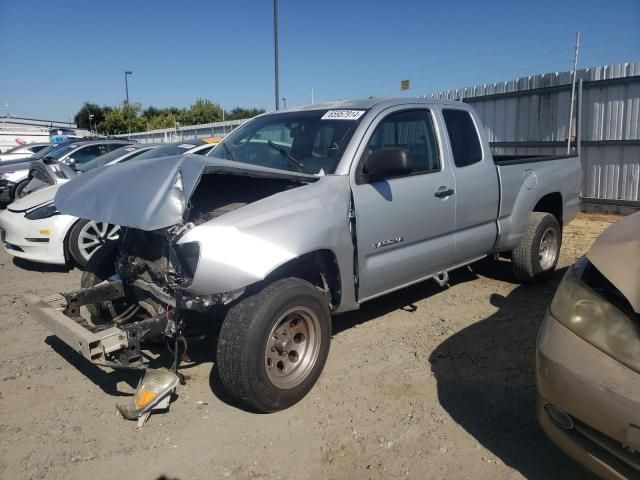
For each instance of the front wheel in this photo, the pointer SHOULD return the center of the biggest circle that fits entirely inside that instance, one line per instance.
(273, 345)
(537, 255)
(20, 189)
(87, 236)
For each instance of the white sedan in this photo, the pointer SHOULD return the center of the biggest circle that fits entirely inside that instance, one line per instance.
(23, 151)
(33, 229)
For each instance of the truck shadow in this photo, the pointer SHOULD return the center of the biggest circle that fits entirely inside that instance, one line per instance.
(106, 380)
(486, 382)
(406, 298)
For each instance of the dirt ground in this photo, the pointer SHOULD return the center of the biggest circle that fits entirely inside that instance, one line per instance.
(426, 383)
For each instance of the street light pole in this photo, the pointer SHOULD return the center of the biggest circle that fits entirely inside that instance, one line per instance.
(126, 89)
(275, 51)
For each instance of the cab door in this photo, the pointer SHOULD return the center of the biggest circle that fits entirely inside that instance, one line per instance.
(478, 190)
(404, 224)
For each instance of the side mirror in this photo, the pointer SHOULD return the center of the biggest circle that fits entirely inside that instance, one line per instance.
(71, 161)
(388, 162)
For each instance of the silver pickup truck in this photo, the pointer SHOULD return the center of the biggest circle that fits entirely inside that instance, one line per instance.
(300, 214)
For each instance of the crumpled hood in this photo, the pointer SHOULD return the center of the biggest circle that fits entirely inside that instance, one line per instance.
(148, 194)
(616, 254)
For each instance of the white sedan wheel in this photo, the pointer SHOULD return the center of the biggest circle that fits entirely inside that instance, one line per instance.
(93, 235)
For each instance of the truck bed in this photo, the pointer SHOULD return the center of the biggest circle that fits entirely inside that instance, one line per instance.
(524, 180)
(516, 159)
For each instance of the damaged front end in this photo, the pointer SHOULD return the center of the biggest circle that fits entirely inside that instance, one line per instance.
(137, 289)
(131, 293)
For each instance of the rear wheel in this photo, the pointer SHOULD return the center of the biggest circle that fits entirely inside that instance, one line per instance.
(537, 255)
(273, 345)
(86, 237)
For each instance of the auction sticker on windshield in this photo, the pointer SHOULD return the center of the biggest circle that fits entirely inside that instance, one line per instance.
(343, 115)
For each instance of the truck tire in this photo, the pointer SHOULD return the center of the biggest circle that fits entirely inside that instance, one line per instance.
(273, 345)
(537, 255)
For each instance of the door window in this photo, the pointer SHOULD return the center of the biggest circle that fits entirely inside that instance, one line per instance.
(412, 130)
(83, 155)
(463, 137)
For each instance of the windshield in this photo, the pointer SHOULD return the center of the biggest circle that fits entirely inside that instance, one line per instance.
(107, 158)
(177, 148)
(60, 150)
(41, 153)
(305, 141)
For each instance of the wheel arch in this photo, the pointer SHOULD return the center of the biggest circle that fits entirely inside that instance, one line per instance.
(551, 203)
(318, 267)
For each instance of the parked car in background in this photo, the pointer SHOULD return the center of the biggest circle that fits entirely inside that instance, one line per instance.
(297, 215)
(588, 357)
(36, 231)
(42, 174)
(8, 165)
(13, 181)
(22, 151)
(8, 171)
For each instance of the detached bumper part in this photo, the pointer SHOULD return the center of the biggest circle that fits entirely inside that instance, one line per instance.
(93, 344)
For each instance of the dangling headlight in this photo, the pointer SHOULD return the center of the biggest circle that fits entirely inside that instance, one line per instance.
(153, 393)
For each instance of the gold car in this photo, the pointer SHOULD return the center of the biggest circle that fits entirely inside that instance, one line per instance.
(588, 357)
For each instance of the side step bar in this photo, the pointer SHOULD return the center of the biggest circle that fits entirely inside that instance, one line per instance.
(95, 345)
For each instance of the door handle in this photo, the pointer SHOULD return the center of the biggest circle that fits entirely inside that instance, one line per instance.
(442, 193)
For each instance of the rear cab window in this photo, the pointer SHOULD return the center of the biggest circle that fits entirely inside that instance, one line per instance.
(463, 137)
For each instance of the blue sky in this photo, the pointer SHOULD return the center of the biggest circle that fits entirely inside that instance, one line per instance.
(56, 55)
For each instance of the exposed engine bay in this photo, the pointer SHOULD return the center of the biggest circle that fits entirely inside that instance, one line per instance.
(136, 284)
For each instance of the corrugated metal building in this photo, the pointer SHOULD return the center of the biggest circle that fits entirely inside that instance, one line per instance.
(530, 115)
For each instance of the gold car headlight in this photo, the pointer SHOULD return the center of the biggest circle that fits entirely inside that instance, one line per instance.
(596, 320)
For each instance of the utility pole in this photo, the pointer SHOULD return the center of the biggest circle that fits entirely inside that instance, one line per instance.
(573, 91)
(126, 89)
(312, 96)
(275, 51)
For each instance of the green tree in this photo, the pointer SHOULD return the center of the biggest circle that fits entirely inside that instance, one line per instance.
(239, 113)
(160, 121)
(114, 122)
(82, 117)
(205, 111)
(117, 120)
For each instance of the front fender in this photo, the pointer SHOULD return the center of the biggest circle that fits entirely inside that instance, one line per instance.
(244, 246)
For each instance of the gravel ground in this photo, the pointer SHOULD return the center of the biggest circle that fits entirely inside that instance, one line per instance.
(424, 383)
